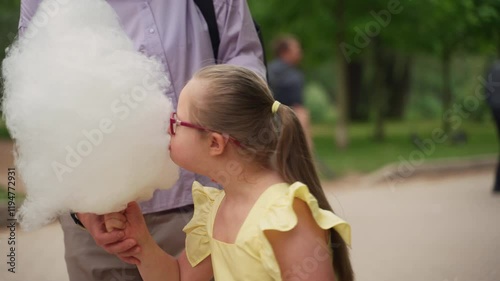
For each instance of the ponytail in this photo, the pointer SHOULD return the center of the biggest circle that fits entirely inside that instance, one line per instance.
(295, 163)
(240, 103)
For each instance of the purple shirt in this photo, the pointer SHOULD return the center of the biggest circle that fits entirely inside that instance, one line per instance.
(183, 48)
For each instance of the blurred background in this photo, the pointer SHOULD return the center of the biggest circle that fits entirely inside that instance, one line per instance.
(380, 74)
(403, 137)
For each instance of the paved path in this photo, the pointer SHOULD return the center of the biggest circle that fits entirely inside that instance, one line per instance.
(424, 229)
(432, 230)
(39, 255)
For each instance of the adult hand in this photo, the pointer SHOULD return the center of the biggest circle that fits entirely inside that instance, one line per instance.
(113, 242)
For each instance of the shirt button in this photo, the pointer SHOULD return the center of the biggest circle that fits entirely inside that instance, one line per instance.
(151, 30)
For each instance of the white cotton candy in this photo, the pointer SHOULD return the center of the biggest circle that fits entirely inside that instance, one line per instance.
(88, 113)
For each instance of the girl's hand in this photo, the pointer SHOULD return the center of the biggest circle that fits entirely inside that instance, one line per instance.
(131, 222)
(152, 262)
(117, 221)
(136, 229)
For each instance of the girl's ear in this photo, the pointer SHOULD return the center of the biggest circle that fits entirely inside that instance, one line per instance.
(217, 144)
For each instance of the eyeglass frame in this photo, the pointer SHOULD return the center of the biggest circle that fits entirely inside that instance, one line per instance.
(174, 121)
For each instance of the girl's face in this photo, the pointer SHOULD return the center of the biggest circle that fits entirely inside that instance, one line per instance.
(188, 146)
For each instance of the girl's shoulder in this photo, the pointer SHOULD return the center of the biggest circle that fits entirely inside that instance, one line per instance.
(205, 198)
(279, 212)
(280, 208)
(205, 194)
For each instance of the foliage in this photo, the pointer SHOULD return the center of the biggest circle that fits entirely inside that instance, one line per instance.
(4, 133)
(446, 33)
(9, 18)
(425, 101)
(422, 29)
(317, 101)
(311, 22)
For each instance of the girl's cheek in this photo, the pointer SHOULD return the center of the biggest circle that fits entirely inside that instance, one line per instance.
(171, 148)
(172, 155)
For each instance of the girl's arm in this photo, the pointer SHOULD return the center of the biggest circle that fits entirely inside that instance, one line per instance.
(303, 252)
(158, 265)
(154, 264)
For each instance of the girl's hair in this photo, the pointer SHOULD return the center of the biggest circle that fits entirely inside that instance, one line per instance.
(239, 103)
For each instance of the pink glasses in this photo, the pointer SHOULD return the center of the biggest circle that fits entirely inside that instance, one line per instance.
(174, 122)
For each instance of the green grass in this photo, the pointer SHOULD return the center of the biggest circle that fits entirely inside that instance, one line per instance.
(365, 155)
(3, 193)
(4, 134)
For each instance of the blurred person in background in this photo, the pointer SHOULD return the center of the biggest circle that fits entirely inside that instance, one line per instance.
(492, 92)
(287, 80)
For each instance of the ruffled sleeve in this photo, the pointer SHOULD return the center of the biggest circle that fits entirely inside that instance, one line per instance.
(281, 216)
(197, 237)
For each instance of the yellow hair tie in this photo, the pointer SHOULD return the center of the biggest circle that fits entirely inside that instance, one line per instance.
(275, 107)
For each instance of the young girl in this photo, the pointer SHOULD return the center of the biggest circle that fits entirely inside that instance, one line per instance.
(272, 221)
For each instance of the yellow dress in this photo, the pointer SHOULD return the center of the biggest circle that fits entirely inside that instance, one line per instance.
(251, 257)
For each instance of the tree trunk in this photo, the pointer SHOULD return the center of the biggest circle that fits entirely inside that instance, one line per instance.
(358, 98)
(380, 89)
(398, 84)
(498, 44)
(341, 131)
(447, 93)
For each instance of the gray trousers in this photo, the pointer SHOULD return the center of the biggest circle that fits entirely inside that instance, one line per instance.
(86, 261)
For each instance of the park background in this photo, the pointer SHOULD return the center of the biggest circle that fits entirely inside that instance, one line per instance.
(382, 76)
(396, 95)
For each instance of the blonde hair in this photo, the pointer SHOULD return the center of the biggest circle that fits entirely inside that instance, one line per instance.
(238, 102)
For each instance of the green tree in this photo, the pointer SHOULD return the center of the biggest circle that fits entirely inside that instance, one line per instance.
(9, 18)
(448, 26)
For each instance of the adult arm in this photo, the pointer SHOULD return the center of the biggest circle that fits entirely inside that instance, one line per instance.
(113, 242)
(239, 42)
(28, 9)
